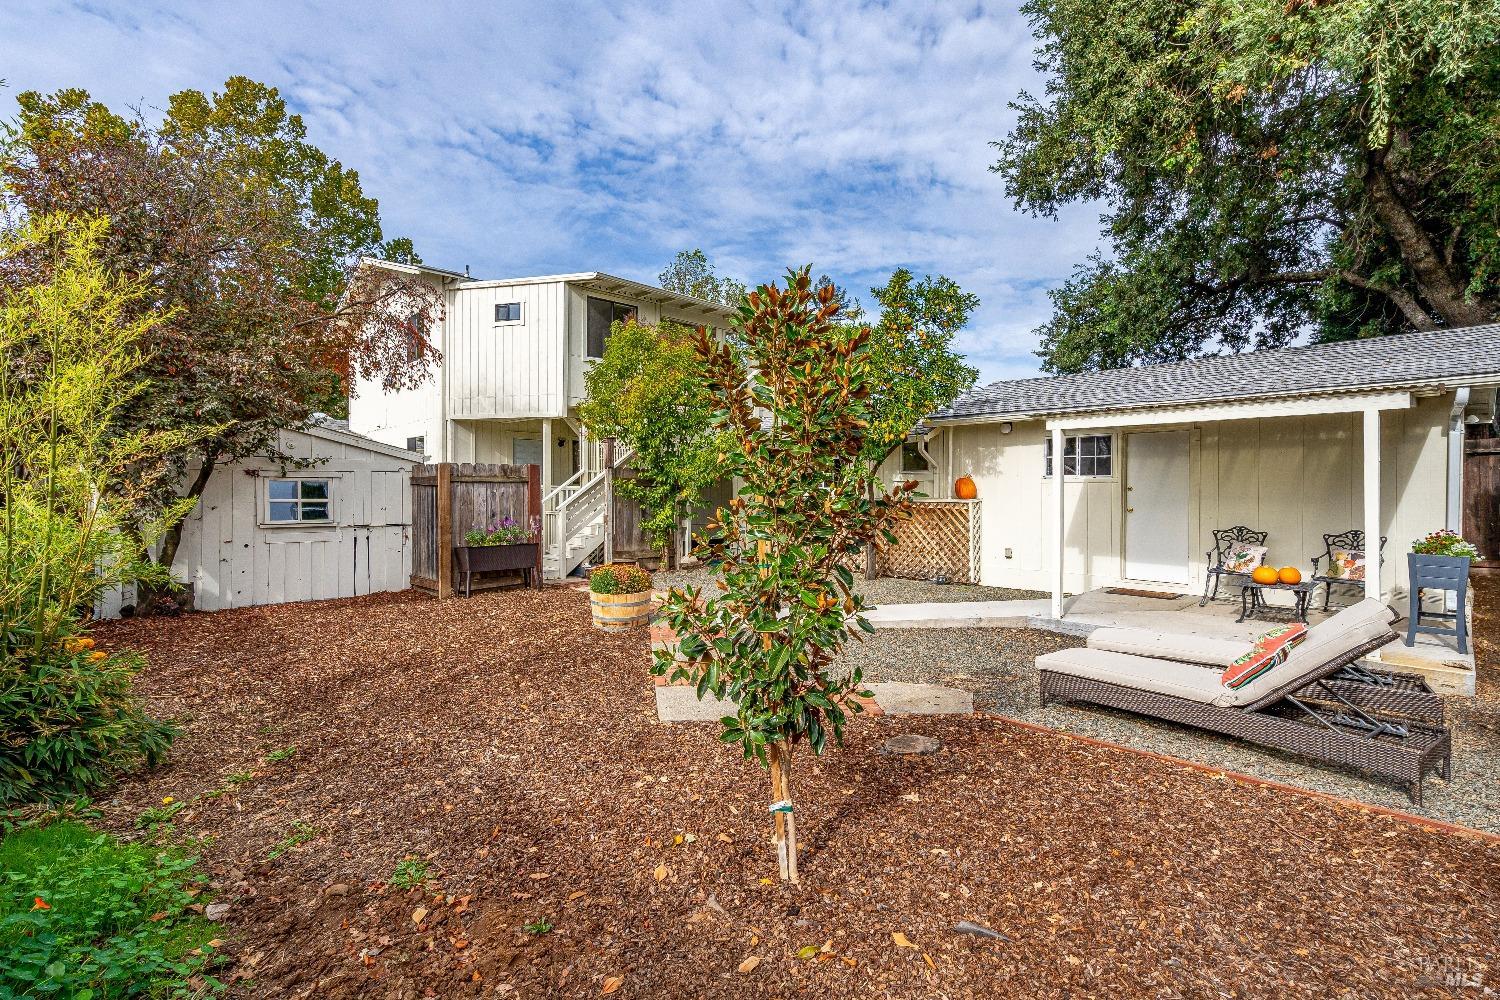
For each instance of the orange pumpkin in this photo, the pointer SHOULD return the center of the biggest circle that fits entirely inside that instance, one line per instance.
(1265, 574)
(1289, 574)
(964, 488)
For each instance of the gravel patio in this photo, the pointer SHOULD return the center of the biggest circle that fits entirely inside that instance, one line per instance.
(577, 847)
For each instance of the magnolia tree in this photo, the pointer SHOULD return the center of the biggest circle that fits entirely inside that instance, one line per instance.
(794, 386)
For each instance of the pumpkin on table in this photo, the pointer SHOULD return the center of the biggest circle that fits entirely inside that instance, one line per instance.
(1266, 575)
(1289, 575)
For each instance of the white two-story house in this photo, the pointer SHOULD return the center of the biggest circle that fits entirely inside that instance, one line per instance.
(515, 351)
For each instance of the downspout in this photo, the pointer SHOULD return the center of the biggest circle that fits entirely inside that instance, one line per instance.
(931, 462)
(1456, 433)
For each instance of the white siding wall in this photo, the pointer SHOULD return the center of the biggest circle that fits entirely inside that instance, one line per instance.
(507, 369)
(232, 561)
(396, 417)
(1294, 477)
(578, 332)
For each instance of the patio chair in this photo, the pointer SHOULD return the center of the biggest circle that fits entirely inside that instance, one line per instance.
(1373, 690)
(1352, 540)
(1226, 540)
(1291, 707)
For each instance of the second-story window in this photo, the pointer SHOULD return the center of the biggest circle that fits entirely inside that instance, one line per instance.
(507, 312)
(602, 314)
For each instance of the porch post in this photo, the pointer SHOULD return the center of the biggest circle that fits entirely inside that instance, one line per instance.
(547, 448)
(1372, 503)
(1059, 529)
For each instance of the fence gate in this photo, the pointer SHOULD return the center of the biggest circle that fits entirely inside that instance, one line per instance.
(1482, 496)
(449, 500)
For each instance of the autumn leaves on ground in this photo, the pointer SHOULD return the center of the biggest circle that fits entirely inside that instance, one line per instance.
(573, 846)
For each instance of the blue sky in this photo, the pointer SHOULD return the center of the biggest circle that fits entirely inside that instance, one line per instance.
(544, 138)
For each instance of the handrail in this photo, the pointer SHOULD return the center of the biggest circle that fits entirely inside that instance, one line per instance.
(560, 487)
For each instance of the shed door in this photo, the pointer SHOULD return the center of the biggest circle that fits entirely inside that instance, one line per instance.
(1156, 507)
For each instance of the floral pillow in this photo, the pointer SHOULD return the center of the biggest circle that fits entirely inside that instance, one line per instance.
(1244, 558)
(1269, 650)
(1347, 564)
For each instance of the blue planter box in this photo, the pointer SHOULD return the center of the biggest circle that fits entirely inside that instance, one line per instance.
(1438, 573)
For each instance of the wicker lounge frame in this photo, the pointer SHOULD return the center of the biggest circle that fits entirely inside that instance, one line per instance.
(1293, 718)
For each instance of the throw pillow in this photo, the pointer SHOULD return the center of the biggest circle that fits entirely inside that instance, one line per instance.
(1347, 564)
(1244, 558)
(1269, 650)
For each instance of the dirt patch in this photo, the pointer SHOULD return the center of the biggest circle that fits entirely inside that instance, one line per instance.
(1486, 637)
(515, 749)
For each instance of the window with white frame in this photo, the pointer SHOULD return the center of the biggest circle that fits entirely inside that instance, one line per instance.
(912, 459)
(507, 312)
(299, 501)
(1085, 455)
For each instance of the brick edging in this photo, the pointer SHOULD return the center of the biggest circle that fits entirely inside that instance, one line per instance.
(1435, 825)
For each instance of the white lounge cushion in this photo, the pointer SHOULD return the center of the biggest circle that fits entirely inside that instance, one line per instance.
(1343, 633)
(1182, 680)
(1170, 646)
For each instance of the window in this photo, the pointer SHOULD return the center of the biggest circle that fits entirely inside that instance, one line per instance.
(507, 312)
(602, 314)
(1084, 455)
(415, 337)
(912, 460)
(418, 443)
(295, 501)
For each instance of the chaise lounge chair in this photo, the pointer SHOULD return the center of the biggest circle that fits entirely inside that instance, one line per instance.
(1301, 705)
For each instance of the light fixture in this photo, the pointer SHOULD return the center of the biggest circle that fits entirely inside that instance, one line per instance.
(1006, 427)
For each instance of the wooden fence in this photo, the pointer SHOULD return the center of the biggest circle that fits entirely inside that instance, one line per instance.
(940, 539)
(449, 500)
(1481, 524)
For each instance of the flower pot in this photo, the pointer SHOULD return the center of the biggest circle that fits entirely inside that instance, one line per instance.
(473, 559)
(620, 612)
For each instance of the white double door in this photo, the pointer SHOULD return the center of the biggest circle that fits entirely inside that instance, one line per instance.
(1156, 507)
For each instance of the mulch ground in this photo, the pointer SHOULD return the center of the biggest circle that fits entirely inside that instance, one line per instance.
(516, 749)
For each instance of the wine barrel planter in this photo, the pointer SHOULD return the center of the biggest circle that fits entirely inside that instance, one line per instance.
(620, 612)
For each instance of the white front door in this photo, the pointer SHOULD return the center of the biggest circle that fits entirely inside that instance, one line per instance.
(1156, 507)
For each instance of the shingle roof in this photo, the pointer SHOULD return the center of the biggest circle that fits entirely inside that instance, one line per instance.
(1411, 359)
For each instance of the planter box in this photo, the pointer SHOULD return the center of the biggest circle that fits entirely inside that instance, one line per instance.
(620, 612)
(1442, 573)
(473, 559)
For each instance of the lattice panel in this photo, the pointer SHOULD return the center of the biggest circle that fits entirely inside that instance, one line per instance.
(941, 538)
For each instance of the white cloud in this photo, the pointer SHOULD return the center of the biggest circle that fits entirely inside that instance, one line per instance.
(525, 138)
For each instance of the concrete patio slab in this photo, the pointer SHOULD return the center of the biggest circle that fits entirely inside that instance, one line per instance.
(679, 703)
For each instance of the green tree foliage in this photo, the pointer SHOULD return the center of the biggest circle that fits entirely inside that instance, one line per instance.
(913, 346)
(250, 239)
(648, 392)
(794, 388)
(75, 490)
(691, 273)
(1268, 166)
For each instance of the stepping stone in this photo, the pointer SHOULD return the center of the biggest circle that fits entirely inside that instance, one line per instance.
(909, 743)
(679, 703)
(922, 699)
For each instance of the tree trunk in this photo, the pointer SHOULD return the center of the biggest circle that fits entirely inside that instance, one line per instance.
(785, 837)
(1438, 285)
(172, 537)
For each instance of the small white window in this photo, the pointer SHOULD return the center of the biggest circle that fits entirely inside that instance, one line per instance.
(1085, 455)
(299, 501)
(912, 459)
(507, 312)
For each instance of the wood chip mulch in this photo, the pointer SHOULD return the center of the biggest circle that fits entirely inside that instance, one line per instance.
(515, 749)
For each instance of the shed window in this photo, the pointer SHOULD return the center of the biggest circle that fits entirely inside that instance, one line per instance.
(297, 501)
(1084, 455)
(507, 312)
(602, 314)
(912, 460)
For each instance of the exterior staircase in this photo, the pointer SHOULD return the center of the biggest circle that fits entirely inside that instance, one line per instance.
(573, 518)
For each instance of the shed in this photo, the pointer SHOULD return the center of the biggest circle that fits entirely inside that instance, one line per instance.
(265, 532)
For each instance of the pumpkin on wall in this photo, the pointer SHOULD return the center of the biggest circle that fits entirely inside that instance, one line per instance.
(964, 488)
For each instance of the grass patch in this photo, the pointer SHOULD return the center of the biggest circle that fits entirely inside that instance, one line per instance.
(85, 916)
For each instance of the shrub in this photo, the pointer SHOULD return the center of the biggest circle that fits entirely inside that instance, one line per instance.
(619, 578)
(410, 873)
(69, 719)
(1445, 542)
(82, 914)
(506, 531)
